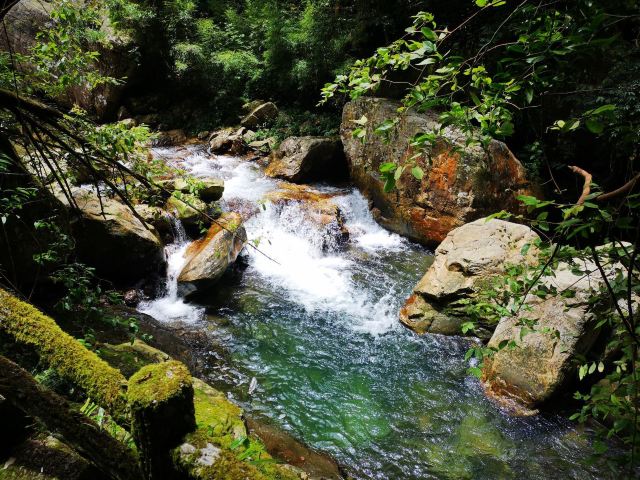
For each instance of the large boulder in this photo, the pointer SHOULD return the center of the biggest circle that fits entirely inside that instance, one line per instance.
(543, 362)
(29, 17)
(464, 262)
(262, 116)
(209, 257)
(110, 238)
(314, 208)
(308, 159)
(460, 183)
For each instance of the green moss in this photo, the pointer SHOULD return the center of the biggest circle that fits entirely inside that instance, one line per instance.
(131, 357)
(219, 425)
(157, 383)
(27, 325)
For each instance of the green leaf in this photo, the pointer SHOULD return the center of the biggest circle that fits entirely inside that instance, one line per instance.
(594, 125)
(417, 172)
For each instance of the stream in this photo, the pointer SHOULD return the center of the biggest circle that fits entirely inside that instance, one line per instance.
(317, 329)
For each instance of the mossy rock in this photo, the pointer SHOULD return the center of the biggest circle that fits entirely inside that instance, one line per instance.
(131, 357)
(187, 208)
(220, 448)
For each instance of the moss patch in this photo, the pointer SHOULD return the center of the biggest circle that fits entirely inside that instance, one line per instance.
(220, 448)
(131, 357)
(158, 383)
(27, 325)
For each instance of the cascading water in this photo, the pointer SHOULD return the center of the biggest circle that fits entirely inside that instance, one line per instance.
(318, 330)
(171, 307)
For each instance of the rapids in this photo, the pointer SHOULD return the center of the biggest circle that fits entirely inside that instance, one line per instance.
(318, 331)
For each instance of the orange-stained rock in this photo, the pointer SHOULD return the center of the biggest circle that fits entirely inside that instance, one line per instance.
(317, 208)
(209, 257)
(460, 184)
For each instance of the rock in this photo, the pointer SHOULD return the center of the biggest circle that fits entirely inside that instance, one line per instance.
(155, 216)
(264, 146)
(116, 58)
(228, 141)
(249, 107)
(209, 257)
(113, 240)
(316, 208)
(465, 261)
(187, 209)
(261, 116)
(211, 189)
(203, 135)
(170, 138)
(543, 363)
(308, 159)
(132, 298)
(460, 184)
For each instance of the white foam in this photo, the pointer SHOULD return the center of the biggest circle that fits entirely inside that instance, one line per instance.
(171, 307)
(304, 270)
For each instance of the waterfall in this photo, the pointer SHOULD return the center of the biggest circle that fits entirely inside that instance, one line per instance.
(171, 307)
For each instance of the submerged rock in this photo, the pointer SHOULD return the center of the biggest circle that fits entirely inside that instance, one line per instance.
(465, 261)
(209, 257)
(317, 208)
(111, 239)
(308, 159)
(543, 363)
(460, 184)
(262, 116)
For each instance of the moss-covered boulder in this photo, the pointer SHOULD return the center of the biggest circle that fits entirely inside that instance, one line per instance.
(209, 189)
(131, 357)
(188, 209)
(220, 448)
(161, 402)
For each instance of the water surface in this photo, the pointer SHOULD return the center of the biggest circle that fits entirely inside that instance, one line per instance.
(318, 330)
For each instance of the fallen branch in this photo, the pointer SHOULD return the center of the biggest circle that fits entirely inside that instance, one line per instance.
(603, 197)
(586, 189)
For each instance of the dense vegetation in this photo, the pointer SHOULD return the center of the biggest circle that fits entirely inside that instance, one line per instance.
(558, 81)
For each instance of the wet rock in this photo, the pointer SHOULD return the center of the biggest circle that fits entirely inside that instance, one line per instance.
(228, 141)
(132, 298)
(316, 208)
(203, 135)
(262, 116)
(263, 146)
(465, 261)
(209, 257)
(284, 447)
(111, 239)
(209, 189)
(308, 159)
(187, 208)
(460, 183)
(170, 138)
(543, 363)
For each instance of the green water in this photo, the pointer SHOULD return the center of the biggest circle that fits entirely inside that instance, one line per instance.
(318, 330)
